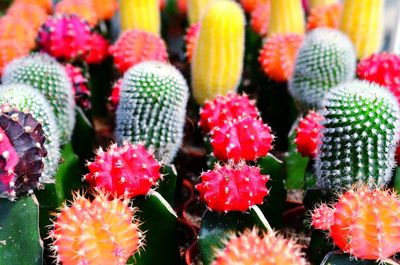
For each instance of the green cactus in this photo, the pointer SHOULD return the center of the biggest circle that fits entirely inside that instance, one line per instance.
(326, 59)
(361, 130)
(48, 76)
(152, 108)
(28, 99)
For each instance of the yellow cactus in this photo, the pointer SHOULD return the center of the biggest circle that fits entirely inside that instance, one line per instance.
(286, 17)
(218, 57)
(315, 3)
(362, 22)
(196, 9)
(141, 15)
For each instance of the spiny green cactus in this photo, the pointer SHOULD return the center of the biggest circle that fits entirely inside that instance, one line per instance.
(326, 59)
(152, 108)
(48, 76)
(28, 99)
(361, 130)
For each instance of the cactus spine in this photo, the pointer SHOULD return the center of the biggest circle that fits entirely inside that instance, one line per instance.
(152, 108)
(218, 58)
(360, 131)
(140, 15)
(362, 21)
(286, 17)
(196, 9)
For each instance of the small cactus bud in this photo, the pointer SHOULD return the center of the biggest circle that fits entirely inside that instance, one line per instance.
(308, 134)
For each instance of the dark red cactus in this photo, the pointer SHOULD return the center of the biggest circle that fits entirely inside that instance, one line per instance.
(233, 187)
(79, 86)
(308, 134)
(114, 98)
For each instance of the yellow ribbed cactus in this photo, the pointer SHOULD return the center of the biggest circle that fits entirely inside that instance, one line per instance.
(141, 15)
(196, 9)
(218, 57)
(362, 22)
(286, 17)
(315, 3)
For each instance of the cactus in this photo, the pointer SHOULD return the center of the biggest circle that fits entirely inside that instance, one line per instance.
(326, 59)
(46, 4)
(308, 134)
(22, 152)
(115, 94)
(318, 3)
(31, 13)
(362, 21)
(20, 30)
(99, 232)
(226, 108)
(286, 17)
(269, 249)
(196, 9)
(218, 58)
(135, 46)
(80, 84)
(278, 55)
(233, 187)
(241, 139)
(140, 15)
(129, 170)
(325, 16)
(49, 77)
(250, 5)
(105, 9)
(152, 108)
(363, 223)
(82, 8)
(10, 50)
(259, 18)
(26, 98)
(360, 136)
(192, 35)
(65, 37)
(99, 49)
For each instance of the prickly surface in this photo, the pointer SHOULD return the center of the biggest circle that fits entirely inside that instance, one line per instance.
(325, 16)
(309, 134)
(259, 17)
(152, 108)
(79, 87)
(326, 59)
(360, 136)
(98, 49)
(26, 98)
(128, 170)
(192, 34)
(50, 78)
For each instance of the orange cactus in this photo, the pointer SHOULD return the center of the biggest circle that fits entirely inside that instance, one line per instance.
(250, 5)
(105, 9)
(46, 4)
(249, 248)
(325, 16)
(11, 49)
(364, 223)
(82, 8)
(19, 30)
(278, 55)
(97, 232)
(33, 14)
(260, 18)
(191, 37)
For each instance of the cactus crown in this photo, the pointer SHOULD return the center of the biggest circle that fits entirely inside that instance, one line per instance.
(360, 136)
(48, 76)
(28, 99)
(325, 59)
(152, 108)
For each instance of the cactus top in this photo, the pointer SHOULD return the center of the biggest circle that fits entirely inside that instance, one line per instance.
(360, 136)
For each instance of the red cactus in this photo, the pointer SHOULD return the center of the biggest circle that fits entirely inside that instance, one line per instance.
(244, 139)
(225, 108)
(250, 5)
(79, 86)
(98, 49)
(97, 232)
(365, 223)
(114, 98)
(129, 170)
(270, 249)
(233, 187)
(191, 38)
(260, 18)
(308, 134)
(66, 37)
(325, 16)
(278, 55)
(82, 8)
(135, 46)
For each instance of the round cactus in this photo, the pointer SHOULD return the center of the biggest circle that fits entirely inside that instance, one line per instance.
(191, 37)
(152, 108)
(360, 131)
(259, 18)
(242, 139)
(135, 46)
(105, 9)
(98, 49)
(129, 170)
(12, 27)
(99, 232)
(82, 8)
(21, 152)
(80, 88)
(65, 37)
(325, 16)
(34, 14)
(233, 187)
(308, 134)
(363, 223)
(49, 77)
(226, 108)
(46, 4)
(270, 249)
(278, 55)
(26, 99)
(326, 59)
(10, 50)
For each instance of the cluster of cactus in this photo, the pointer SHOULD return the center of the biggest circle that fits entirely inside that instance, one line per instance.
(140, 15)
